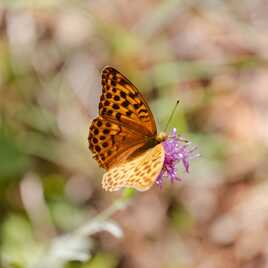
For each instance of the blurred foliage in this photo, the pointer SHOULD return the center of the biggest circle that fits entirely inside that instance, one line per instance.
(211, 55)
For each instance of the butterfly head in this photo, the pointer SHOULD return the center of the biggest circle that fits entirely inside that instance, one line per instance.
(162, 136)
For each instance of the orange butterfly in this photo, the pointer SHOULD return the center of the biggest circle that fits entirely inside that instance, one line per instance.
(123, 138)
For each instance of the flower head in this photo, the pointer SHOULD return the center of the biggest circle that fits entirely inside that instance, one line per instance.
(176, 150)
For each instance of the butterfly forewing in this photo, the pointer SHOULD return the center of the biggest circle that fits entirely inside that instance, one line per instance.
(139, 173)
(122, 102)
(112, 143)
(125, 121)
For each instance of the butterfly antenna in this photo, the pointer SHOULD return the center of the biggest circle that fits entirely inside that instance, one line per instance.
(171, 115)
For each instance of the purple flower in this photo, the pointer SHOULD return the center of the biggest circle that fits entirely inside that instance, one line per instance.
(177, 150)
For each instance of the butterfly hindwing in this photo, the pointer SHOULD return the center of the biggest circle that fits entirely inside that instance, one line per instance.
(121, 101)
(139, 173)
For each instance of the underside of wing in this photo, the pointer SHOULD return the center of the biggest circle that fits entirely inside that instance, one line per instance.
(139, 173)
(112, 143)
(121, 101)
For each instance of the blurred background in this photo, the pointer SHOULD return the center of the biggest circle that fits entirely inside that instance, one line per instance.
(211, 55)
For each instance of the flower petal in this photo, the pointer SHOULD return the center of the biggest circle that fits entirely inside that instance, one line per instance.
(177, 150)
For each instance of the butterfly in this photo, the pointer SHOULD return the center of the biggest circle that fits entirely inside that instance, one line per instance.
(123, 137)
